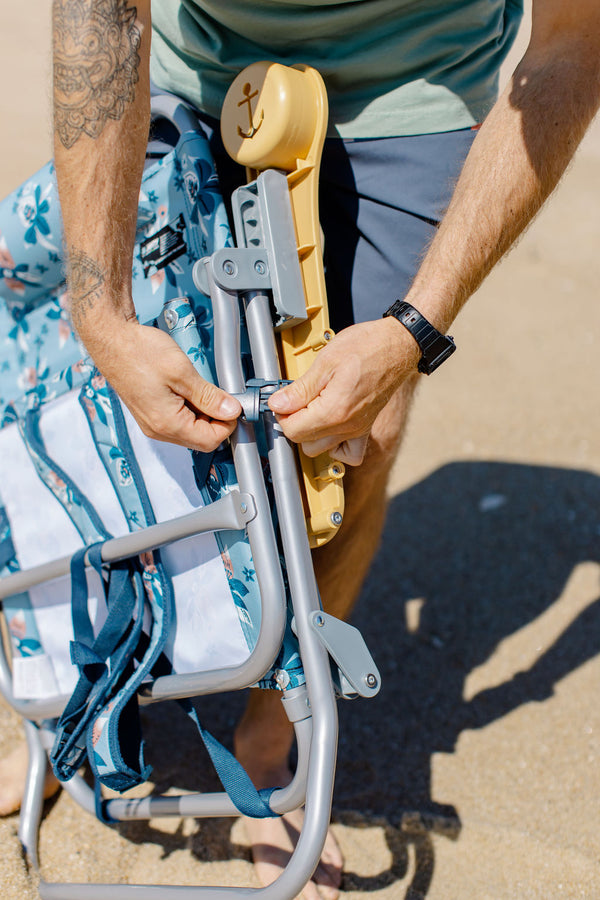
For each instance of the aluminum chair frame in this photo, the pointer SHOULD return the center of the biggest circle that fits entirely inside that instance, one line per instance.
(311, 708)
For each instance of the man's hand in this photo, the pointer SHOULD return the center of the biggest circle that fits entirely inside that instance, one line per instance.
(333, 406)
(159, 385)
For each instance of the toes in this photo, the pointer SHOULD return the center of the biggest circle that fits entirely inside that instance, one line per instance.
(273, 841)
(317, 890)
(332, 855)
(327, 879)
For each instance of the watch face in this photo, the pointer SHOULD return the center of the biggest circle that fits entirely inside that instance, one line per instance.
(437, 354)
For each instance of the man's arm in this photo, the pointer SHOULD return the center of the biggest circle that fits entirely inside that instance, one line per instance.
(520, 154)
(517, 158)
(101, 119)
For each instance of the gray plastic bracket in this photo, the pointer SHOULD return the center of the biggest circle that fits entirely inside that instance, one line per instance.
(241, 269)
(255, 399)
(266, 255)
(358, 673)
(263, 218)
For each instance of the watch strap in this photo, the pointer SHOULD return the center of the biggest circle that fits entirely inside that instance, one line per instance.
(435, 347)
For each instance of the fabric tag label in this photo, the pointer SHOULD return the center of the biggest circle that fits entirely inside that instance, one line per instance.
(33, 677)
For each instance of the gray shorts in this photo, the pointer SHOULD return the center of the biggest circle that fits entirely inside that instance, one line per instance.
(380, 202)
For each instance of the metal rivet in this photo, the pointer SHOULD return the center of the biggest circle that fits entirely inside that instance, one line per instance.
(370, 680)
(327, 336)
(282, 678)
(319, 620)
(171, 318)
(336, 519)
(244, 507)
(229, 267)
(260, 267)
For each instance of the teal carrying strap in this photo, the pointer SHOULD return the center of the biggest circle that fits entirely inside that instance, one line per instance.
(104, 702)
(232, 775)
(104, 662)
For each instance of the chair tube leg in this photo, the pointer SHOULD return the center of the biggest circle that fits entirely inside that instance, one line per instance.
(33, 798)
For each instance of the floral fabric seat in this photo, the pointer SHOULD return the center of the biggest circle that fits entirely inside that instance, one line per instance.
(75, 456)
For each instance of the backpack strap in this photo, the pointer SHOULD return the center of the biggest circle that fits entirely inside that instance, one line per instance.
(104, 662)
(75, 503)
(232, 775)
(113, 736)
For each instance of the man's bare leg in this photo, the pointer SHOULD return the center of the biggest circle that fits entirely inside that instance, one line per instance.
(264, 735)
(13, 774)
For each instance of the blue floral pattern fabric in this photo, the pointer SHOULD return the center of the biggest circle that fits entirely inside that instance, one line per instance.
(41, 358)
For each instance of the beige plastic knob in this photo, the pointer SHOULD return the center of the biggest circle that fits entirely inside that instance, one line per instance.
(269, 116)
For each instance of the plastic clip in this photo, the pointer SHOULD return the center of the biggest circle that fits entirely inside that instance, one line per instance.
(255, 399)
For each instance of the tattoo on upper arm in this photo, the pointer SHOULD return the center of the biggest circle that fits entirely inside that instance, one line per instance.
(85, 279)
(96, 64)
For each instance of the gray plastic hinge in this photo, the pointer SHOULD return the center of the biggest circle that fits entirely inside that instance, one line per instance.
(358, 674)
(263, 218)
(296, 704)
(241, 269)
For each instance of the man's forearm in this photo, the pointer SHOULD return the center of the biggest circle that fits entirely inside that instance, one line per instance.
(518, 157)
(101, 118)
(101, 122)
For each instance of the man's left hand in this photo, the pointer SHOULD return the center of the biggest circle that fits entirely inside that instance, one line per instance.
(332, 406)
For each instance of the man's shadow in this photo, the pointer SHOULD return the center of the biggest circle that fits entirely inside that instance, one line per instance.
(478, 550)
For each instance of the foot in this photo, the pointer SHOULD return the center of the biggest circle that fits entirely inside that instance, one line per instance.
(262, 745)
(13, 774)
(273, 841)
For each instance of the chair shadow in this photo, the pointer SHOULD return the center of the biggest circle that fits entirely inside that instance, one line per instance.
(487, 548)
(484, 549)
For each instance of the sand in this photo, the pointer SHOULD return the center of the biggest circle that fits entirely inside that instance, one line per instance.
(475, 775)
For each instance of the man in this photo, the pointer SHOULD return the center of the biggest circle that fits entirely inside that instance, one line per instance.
(407, 84)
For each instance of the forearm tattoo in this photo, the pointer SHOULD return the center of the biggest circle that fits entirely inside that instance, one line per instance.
(96, 64)
(85, 279)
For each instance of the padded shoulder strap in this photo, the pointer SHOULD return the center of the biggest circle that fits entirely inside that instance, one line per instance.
(104, 662)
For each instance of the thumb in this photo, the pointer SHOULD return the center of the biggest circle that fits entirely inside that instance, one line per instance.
(213, 402)
(298, 394)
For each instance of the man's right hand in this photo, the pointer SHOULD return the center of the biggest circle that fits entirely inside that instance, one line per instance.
(101, 119)
(157, 382)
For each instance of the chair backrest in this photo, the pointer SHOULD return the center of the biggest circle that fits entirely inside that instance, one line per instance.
(81, 470)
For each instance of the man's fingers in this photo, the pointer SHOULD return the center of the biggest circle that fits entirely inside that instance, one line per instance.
(165, 394)
(323, 445)
(206, 436)
(349, 451)
(179, 376)
(299, 393)
(211, 400)
(188, 429)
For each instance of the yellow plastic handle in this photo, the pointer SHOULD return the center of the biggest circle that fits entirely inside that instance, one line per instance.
(275, 116)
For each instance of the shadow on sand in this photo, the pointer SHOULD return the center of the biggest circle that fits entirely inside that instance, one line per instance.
(483, 549)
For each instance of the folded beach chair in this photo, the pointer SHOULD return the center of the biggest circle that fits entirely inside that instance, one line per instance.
(133, 571)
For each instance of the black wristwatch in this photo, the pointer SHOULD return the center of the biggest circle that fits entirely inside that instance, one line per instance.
(435, 346)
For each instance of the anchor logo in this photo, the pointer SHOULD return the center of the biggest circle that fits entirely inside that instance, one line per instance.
(248, 97)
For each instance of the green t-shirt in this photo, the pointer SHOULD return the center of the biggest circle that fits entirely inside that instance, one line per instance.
(392, 67)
